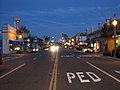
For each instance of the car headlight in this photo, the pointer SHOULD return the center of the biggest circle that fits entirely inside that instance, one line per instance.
(34, 49)
(54, 48)
(17, 48)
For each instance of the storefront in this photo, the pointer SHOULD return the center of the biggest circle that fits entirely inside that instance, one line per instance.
(14, 45)
(95, 45)
(8, 36)
(110, 42)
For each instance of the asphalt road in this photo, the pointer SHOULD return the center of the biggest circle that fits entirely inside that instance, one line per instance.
(63, 70)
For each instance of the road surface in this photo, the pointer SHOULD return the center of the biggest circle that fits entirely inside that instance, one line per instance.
(64, 70)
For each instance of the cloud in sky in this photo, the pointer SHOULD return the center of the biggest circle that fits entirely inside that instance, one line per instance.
(58, 20)
(68, 13)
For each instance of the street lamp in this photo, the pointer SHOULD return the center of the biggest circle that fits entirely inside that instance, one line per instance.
(114, 24)
(28, 40)
(73, 40)
(20, 37)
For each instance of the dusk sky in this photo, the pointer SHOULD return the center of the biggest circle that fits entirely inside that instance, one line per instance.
(54, 17)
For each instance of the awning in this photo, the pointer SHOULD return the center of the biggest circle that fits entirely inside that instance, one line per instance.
(14, 42)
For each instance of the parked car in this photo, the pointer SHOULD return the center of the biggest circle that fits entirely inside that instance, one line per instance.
(88, 50)
(46, 48)
(1, 59)
(31, 50)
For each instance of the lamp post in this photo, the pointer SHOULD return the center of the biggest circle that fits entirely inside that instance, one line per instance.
(20, 37)
(28, 40)
(114, 24)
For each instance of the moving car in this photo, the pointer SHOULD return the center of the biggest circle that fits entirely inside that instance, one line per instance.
(89, 50)
(54, 48)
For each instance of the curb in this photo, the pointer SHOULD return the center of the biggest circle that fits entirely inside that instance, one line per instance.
(12, 57)
(111, 58)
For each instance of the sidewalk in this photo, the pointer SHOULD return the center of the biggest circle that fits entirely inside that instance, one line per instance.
(11, 56)
(104, 57)
(98, 54)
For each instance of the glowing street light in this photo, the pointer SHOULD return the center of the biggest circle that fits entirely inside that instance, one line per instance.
(28, 40)
(73, 40)
(20, 36)
(114, 24)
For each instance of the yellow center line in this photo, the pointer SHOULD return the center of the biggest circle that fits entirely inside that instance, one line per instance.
(53, 82)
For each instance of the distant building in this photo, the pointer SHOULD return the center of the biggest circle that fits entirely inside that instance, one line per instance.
(96, 41)
(80, 37)
(78, 41)
(106, 43)
(32, 43)
(110, 36)
(17, 22)
(8, 35)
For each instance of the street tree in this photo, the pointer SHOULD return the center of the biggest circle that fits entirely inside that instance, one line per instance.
(65, 36)
(104, 31)
(22, 31)
(46, 39)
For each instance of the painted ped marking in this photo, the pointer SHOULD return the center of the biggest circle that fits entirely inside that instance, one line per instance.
(67, 56)
(80, 75)
(117, 72)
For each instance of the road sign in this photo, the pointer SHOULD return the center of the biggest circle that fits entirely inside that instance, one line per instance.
(5, 27)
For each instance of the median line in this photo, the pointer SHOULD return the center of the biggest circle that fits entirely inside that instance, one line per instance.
(103, 72)
(53, 81)
(11, 71)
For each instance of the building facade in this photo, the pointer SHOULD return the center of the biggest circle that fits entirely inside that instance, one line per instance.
(110, 34)
(8, 33)
(105, 43)
(96, 41)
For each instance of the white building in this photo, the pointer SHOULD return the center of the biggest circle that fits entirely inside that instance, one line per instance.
(8, 33)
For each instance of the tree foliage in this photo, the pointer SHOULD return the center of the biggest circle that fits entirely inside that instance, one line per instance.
(104, 30)
(22, 31)
(65, 36)
(46, 38)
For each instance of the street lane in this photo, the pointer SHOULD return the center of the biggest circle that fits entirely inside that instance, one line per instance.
(34, 75)
(110, 66)
(63, 70)
(75, 73)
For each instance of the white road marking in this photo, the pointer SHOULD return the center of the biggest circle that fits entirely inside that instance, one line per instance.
(67, 56)
(78, 57)
(62, 56)
(34, 58)
(95, 78)
(117, 72)
(81, 76)
(70, 76)
(90, 55)
(11, 71)
(103, 72)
